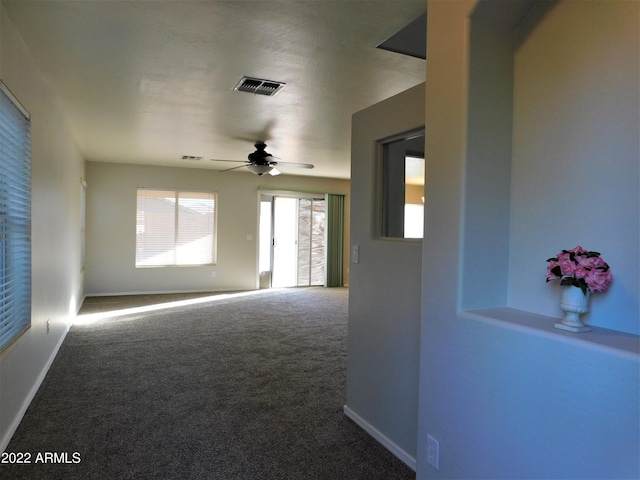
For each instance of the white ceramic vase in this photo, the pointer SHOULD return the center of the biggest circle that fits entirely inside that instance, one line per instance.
(574, 303)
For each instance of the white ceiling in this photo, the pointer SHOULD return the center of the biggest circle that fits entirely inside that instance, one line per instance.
(149, 81)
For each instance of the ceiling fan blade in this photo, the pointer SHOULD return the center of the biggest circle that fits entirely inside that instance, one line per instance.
(235, 161)
(234, 168)
(259, 136)
(296, 165)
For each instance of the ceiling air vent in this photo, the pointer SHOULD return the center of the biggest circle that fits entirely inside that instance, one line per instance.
(191, 158)
(259, 86)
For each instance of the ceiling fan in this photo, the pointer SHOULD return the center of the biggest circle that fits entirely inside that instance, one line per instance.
(262, 162)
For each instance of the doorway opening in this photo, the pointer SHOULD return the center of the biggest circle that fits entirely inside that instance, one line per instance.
(292, 241)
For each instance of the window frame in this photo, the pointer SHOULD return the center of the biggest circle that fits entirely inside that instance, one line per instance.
(381, 207)
(83, 225)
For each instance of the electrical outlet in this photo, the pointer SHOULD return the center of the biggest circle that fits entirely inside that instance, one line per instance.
(433, 452)
(213, 274)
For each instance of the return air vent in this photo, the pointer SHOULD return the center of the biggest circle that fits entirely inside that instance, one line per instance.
(259, 86)
(191, 158)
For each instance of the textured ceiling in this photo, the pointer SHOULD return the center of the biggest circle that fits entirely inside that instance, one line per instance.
(150, 81)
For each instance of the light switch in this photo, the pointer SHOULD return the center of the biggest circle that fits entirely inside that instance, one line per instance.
(355, 254)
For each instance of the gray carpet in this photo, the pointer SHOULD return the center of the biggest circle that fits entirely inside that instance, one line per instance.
(248, 387)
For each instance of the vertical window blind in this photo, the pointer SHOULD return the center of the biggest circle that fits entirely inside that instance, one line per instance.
(15, 219)
(175, 228)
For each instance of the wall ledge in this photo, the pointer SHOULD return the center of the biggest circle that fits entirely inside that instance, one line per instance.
(613, 342)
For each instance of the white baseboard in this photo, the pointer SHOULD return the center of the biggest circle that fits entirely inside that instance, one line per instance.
(381, 438)
(4, 442)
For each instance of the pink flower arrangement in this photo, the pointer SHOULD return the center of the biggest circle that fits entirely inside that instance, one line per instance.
(580, 268)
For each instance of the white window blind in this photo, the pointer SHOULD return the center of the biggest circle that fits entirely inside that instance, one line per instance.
(15, 219)
(175, 228)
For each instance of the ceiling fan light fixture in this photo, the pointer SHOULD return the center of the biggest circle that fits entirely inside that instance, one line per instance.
(260, 169)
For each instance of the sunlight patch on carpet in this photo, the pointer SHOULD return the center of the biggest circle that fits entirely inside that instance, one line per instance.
(93, 318)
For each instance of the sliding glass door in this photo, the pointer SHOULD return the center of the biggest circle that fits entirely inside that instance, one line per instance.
(285, 242)
(292, 241)
(311, 241)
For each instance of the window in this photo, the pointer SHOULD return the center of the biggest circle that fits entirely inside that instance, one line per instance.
(15, 219)
(401, 181)
(175, 228)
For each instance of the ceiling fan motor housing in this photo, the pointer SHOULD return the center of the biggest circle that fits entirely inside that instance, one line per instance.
(261, 157)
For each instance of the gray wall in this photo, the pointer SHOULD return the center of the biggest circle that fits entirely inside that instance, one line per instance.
(111, 223)
(57, 171)
(506, 394)
(384, 292)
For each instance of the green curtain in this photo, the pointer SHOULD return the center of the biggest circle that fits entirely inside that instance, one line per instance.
(334, 205)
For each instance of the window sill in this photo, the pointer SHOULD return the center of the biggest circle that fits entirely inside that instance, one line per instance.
(400, 239)
(610, 341)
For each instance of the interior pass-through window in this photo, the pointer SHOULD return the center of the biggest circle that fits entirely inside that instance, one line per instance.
(401, 186)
